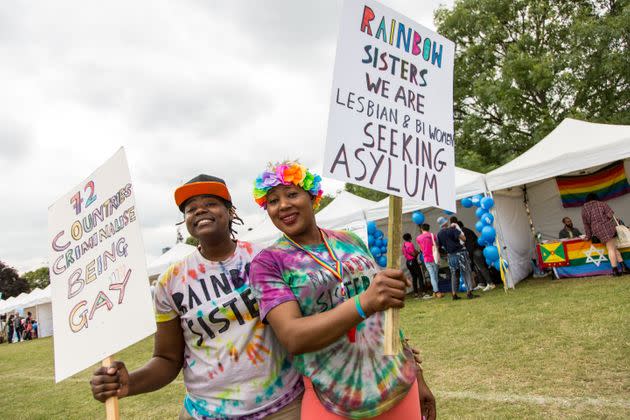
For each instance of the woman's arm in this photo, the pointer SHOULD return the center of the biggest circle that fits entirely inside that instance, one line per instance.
(303, 334)
(160, 370)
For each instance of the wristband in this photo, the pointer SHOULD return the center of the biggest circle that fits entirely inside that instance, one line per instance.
(357, 303)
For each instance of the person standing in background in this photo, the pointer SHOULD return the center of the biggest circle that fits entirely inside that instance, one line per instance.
(475, 251)
(451, 239)
(426, 240)
(599, 221)
(411, 256)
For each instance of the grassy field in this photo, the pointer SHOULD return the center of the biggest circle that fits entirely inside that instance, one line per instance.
(549, 349)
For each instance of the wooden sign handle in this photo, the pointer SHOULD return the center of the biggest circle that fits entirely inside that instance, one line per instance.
(391, 343)
(111, 404)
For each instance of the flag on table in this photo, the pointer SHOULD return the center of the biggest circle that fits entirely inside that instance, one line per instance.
(553, 254)
(608, 182)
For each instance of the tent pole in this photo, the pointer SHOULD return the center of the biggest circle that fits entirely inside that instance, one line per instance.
(505, 277)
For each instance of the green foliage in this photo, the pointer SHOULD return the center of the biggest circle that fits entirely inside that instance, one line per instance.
(326, 200)
(37, 278)
(192, 241)
(365, 192)
(522, 66)
(10, 282)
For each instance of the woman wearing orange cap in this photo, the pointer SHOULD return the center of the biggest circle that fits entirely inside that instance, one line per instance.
(208, 324)
(323, 295)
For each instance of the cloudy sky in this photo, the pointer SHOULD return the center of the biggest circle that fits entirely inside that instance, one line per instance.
(186, 87)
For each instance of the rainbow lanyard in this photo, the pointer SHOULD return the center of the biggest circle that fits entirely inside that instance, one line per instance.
(336, 271)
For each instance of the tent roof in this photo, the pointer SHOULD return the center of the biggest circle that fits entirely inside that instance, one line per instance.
(344, 209)
(572, 146)
(176, 253)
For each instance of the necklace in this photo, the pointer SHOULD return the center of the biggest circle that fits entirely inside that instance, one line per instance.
(336, 271)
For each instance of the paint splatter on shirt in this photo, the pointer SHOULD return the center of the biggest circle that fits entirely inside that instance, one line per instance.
(352, 379)
(233, 364)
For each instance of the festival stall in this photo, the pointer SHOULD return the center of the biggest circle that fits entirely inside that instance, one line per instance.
(37, 302)
(532, 194)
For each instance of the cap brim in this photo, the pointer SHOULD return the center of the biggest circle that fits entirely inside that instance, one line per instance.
(193, 189)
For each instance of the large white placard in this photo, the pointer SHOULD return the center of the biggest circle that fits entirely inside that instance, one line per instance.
(391, 111)
(100, 290)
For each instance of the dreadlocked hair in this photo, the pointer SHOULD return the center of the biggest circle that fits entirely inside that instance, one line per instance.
(236, 220)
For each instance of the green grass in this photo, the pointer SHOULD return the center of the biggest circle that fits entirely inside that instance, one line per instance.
(549, 349)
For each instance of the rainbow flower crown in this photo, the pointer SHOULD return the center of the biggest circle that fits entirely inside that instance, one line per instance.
(287, 173)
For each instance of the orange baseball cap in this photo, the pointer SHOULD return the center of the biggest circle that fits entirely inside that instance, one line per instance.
(201, 185)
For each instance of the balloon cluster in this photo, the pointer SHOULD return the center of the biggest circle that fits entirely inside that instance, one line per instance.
(377, 242)
(488, 234)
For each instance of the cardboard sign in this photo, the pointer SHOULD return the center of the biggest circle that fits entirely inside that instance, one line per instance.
(100, 290)
(391, 111)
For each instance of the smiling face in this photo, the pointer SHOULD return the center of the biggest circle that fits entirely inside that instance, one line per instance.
(291, 210)
(207, 217)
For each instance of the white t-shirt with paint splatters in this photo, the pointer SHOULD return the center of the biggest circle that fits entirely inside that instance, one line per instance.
(233, 364)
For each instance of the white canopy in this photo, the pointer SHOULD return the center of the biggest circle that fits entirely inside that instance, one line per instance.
(25, 300)
(177, 253)
(342, 211)
(572, 146)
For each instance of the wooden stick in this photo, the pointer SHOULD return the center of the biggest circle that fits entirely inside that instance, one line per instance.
(391, 343)
(111, 404)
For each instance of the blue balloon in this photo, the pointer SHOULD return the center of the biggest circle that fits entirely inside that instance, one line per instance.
(462, 284)
(378, 234)
(488, 233)
(384, 250)
(479, 225)
(487, 203)
(481, 241)
(495, 264)
(479, 212)
(378, 243)
(448, 213)
(476, 200)
(384, 241)
(491, 253)
(467, 202)
(417, 217)
(487, 219)
(376, 251)
(382, 261)
(371, 227)
(370, 240)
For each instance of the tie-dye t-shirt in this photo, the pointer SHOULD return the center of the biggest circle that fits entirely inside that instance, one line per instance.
(352, 379)
(234, 365)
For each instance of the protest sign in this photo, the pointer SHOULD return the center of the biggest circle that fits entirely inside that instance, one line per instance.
(390, 126)
(100, 290)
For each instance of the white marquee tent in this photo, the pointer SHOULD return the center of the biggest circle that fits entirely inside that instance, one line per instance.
(574, 147)
(344, 210)
(161, 263)
(38, 302)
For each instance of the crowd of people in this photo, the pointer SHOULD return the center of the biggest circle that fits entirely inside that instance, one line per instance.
(17, 328)
(464, 258)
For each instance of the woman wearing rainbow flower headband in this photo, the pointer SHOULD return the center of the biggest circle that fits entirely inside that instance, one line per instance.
(323, 295)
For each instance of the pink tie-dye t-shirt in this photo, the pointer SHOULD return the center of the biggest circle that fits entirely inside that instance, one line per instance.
(234, 365)
(352, 379)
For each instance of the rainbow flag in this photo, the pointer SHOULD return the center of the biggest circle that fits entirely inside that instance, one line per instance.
(609, 182)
